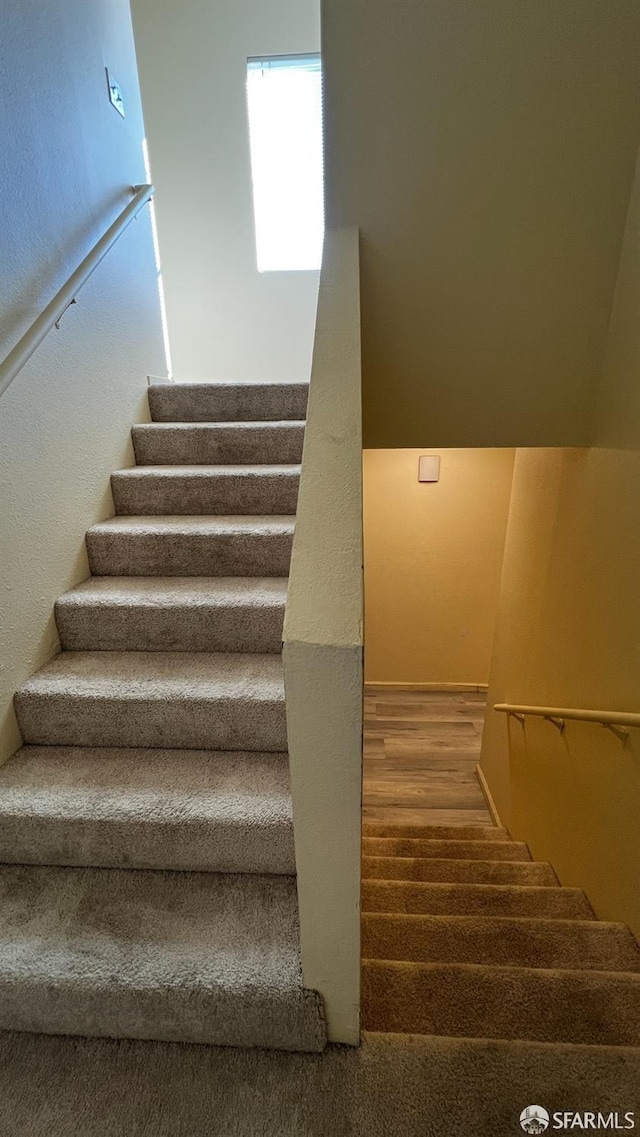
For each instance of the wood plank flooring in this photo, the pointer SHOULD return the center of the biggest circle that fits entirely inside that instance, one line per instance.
(421, 749)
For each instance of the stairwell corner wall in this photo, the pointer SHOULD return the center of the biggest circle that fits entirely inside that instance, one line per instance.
(70, 161)
(568, 634)
(226, 320)
(323, 644)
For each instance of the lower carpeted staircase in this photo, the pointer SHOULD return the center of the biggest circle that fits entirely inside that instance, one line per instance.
(147, 871)
(464, 935)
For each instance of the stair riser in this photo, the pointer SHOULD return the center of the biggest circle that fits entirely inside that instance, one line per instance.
(176, 554)
(436, 832)
(193, 957)
(182, 402)
(145, 844)
(198, 724)
(212, 446)
(192, 496)
(471, 900)
(592, 1008)
(465, 850)
(194, 1015)
(468, 872)
(501, 942)
(212, 629)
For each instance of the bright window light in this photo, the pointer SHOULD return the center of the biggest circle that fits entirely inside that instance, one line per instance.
(284, 95)
(156, 252)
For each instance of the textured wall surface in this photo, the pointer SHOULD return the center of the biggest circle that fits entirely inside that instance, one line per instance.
(68, 162)
(323, 651)
(568, 634)
(432, 563)
(226, 320)
(486, 152)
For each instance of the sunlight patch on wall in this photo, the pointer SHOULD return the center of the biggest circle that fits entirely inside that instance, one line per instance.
(156, 252)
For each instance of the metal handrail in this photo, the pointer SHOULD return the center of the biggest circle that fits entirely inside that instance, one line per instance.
(617, 721)
(66, 295)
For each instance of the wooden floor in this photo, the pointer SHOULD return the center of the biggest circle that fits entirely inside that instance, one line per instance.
(420, 754)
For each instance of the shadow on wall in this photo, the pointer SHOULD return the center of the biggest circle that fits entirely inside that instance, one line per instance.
(568, 635)
(577, 794)
(65, 420)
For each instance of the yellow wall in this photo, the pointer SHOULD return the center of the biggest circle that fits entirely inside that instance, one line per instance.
(486, 151)
(433, 554)
(568, 634)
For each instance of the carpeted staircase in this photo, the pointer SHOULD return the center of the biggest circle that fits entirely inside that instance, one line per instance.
(147, 869)
(465, 936)
(147, 885)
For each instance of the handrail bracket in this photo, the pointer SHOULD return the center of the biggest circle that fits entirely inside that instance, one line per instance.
(620, 732)
(57, 323)
(559, 723)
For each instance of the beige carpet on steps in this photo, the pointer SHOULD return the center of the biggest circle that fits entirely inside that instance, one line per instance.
(449, 949)
(156, 740)
(392, 1087)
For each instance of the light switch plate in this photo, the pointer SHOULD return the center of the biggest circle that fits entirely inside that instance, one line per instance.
(429, 468)
(115, 94)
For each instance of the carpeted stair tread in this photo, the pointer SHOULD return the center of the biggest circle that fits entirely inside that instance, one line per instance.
(506, 941)
(214, 811)
(206, 489)
(189, 443)
(187, 700)
(148, 885)
(190, 957)
(436, 832)
(191, 546)
(463, 850)
(391, 1086)
(212, 614)
(481, 1001)
(228, 400)
(474, 899)
(462, 871)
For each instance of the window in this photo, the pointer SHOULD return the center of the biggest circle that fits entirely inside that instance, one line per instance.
(284, 95)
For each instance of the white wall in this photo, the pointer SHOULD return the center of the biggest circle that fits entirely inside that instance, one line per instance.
(485, 149)
(225, 319)
(67, 162)
(323, 650)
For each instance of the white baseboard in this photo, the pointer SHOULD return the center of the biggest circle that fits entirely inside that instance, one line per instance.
(491, 805)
